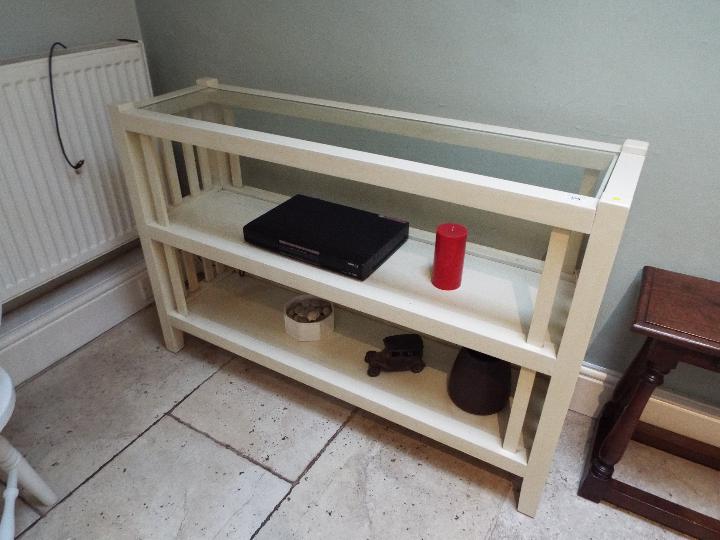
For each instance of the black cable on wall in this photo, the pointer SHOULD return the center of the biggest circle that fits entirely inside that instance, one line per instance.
(80, 163)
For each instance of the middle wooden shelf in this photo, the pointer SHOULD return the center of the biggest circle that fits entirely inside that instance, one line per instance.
(490, 312)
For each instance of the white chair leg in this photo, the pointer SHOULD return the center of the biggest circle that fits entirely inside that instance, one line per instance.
(11, 459)
(7, 524)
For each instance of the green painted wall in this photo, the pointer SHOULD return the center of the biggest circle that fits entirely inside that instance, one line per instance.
(644, 69)
(29, 27)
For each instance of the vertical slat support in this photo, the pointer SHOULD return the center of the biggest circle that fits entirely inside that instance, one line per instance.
(130, 152)
(223, 168)
(152, 167)
(188, 260)
(589, 180)
(162, 291)
(191, 168)
(518, 411)
(176, 281)
(171, 172)
(129, 148)
(208, 269)
(219, 160)
(235, 171)
(547, 290)
(203, 157)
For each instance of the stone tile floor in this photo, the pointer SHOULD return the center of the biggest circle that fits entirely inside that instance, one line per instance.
(142, 443)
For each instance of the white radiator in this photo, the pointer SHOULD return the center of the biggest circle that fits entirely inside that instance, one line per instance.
(52, 219)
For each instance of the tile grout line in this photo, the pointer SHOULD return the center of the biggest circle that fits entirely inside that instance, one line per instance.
(305, 471)
(229, 447)
(163, 415)
(327, 443)
(206, 379)
(501, 507)
(81, 484)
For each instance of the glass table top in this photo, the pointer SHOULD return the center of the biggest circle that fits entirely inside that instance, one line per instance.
(562, 167)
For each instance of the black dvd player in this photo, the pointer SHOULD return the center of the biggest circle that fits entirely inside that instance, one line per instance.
(333, 236)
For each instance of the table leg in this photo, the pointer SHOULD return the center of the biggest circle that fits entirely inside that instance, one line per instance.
(655, 360)
(626, 386)
(622, 394)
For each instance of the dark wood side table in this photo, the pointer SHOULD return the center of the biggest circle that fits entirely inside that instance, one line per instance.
(680, 315)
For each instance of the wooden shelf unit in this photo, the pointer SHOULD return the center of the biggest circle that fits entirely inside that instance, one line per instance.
(537, 315)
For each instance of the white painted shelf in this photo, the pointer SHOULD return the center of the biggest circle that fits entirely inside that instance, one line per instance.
(244, 315)
(491, 311)
(526, 312)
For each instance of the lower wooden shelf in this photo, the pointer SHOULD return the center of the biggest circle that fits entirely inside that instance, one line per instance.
(244, 315)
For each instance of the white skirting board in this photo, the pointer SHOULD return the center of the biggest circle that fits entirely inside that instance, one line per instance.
(35, 336)
(665, 409)
(38, 335)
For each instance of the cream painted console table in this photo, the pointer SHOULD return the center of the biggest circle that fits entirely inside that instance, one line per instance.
(537, 315)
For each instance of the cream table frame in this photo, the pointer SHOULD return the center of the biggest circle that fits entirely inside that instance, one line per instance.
(177, 229)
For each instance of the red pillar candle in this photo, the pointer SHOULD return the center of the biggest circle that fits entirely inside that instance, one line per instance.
(450, 239)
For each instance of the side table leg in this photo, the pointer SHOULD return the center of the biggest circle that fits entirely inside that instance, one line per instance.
(622, 394)
(626, 386)
(660, 359)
